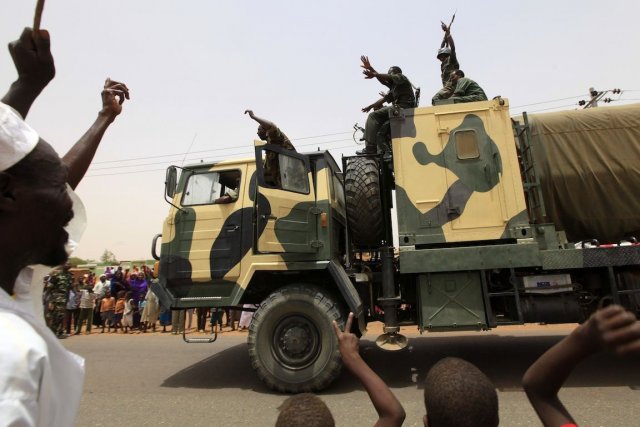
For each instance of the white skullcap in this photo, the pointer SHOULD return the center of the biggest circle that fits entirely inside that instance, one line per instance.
(17, 139)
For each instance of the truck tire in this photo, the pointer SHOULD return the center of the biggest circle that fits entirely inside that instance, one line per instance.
(363, 202)
(292, 344)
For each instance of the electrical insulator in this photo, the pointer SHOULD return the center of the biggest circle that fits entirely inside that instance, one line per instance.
(582, 102)
(616, 91)
(593, 93)
(607, 100)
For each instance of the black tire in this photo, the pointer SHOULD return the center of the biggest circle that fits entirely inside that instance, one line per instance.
(363, 202)
(300, 316)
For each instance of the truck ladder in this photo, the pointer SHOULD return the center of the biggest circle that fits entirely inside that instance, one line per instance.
(531, 184)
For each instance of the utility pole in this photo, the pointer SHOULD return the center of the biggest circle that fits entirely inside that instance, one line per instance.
(597, 96)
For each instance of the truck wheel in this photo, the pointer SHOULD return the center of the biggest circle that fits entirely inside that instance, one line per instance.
(292, 344)
(363, 202)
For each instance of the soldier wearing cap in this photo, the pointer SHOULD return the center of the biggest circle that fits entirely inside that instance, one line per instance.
(40, 381)
(448, 63)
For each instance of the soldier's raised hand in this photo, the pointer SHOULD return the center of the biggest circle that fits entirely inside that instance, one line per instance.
(32, 58)
(365, 63)
(368, 74)
(113, 95)
(444, 27)
(249, 112)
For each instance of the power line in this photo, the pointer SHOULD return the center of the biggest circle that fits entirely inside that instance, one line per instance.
(547, 102)
(245, 150)
(156, 170)
(206, 151)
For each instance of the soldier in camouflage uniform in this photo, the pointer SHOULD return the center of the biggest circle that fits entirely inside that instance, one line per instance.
(57, 292)
(448, 63)
(466, 89)
(269, 132)
(376, 132)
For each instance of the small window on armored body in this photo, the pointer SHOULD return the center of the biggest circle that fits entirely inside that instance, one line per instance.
(201, 189)
(466, 142)
(293, 174)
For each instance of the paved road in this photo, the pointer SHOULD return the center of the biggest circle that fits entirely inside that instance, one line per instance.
(156, 379)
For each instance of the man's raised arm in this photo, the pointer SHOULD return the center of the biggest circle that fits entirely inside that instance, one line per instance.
(79, 157)
(266, 124)
(34, 64)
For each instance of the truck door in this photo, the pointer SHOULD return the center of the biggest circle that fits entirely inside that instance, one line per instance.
(285, 203)
(210, 224)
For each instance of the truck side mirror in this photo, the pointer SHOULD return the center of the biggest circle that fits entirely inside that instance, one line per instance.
(171, 182)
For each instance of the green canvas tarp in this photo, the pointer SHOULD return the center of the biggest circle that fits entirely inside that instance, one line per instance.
(588, 164)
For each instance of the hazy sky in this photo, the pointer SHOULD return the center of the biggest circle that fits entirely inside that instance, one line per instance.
(194, 66)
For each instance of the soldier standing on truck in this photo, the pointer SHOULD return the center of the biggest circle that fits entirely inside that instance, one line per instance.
(448, 63)
(267, 131)
(466, 89)
(376, 132)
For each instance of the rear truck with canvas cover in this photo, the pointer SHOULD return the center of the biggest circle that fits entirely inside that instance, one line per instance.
(500, 221)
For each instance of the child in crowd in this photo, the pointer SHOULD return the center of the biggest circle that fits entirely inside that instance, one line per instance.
(119, 310)
(107, 310)
(611, 328)
(127, 314)
(458, 393)
(304, 410)
(165, 317)
(308, 410)
(390, 411)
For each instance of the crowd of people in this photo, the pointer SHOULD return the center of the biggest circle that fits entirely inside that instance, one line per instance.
(457, 393)
(121, 300)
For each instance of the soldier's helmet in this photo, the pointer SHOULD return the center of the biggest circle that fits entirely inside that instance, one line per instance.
(443, 51)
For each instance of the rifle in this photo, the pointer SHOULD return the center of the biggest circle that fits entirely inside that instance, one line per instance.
(444, 39)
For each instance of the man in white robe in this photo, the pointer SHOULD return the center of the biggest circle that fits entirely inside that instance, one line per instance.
(40, 381)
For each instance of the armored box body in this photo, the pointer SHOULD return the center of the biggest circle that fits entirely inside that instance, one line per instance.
(457, 174)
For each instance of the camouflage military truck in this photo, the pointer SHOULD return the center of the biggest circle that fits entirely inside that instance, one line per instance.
(479, 199)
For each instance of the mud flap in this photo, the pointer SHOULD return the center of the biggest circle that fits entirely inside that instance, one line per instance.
(348, 292)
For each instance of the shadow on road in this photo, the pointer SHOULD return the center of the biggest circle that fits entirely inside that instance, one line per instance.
(503, 358)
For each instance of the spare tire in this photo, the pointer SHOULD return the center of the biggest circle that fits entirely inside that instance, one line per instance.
(363, 201)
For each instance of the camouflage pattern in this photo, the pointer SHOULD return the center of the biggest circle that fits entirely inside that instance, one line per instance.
(444, 93)
(271, 166)
(211, 253)
(57, 294)
(400, 92)
(447, 67)
(468, 90)
(467, 156)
